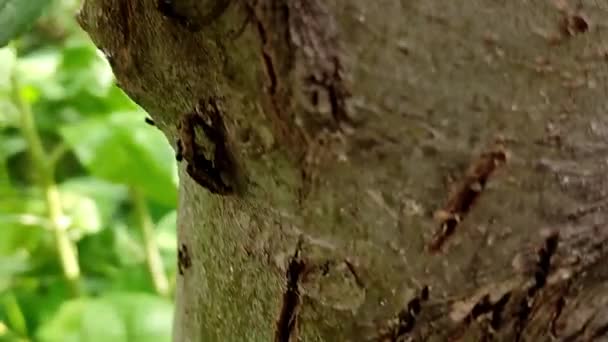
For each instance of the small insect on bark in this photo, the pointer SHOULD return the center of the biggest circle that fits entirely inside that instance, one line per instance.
(203, 145)
(149, 121)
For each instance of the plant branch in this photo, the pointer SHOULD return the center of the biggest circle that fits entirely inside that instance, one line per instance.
(153, 258)
(42, 165)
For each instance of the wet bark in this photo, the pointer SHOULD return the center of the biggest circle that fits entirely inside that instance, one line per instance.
(388, 170)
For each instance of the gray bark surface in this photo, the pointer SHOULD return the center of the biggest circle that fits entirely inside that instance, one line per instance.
(423, 170)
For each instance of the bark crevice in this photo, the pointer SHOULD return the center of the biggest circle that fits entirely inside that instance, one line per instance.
(286, 326)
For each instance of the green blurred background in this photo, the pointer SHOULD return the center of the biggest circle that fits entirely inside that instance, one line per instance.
(87, 196)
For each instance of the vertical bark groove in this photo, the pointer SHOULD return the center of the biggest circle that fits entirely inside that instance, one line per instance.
(286, 326)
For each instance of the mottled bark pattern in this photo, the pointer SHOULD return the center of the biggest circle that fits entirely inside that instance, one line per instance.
(438, 167)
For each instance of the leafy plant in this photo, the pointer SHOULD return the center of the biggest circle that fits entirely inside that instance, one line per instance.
(87, 191)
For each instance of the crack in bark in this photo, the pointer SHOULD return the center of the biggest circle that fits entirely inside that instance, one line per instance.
(484, 307)
(270, 20)
(286, 324)
(599, 332)
(300, 51)
(543, 266)
(269, 67)
(464, 198)
(497, 311)
(559, 307)
(353, 271)
(405, 321)
(589, 209)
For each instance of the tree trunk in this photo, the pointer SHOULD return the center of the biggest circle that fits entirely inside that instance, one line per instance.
(378, 170)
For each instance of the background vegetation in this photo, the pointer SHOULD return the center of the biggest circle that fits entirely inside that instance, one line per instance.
(87, 196)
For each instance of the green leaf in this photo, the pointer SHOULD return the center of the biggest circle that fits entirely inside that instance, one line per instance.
(98, 259)
(83, 69)
(16, 16)
(102, 322)
(83, 213)
(11, 266)
(129, 250)
(64, 326)
(40, 296)
(18, 236)
(148, 317)
(14, 314)
(11, 145)
(121, 317)
(37, 71)
(107, 196)
(132, 278)
(123, 149)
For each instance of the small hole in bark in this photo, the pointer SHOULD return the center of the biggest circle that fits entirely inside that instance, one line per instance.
(179, 151)
(314, 98)
(573, 25)
(579, 24)
(183, 259)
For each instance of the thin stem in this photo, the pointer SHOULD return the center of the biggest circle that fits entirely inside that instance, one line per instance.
(57, 153)
(153, 258)
(65, 247)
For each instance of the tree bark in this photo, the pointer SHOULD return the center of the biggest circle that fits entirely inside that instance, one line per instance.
(388, 170)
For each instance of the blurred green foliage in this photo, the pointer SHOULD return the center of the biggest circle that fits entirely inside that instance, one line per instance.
(87, 195)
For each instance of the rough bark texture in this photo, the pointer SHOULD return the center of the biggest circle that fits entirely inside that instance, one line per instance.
(399, 170)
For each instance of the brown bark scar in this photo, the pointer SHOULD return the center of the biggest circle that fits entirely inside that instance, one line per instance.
(497, 311)
(300, 51)
(267, 58)
(484, 307)
(313, 31)
(462, 200)
(212, 166)
(300, 55)
(286, 329)
(573, 24)
(270, 22)
(405, 320)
